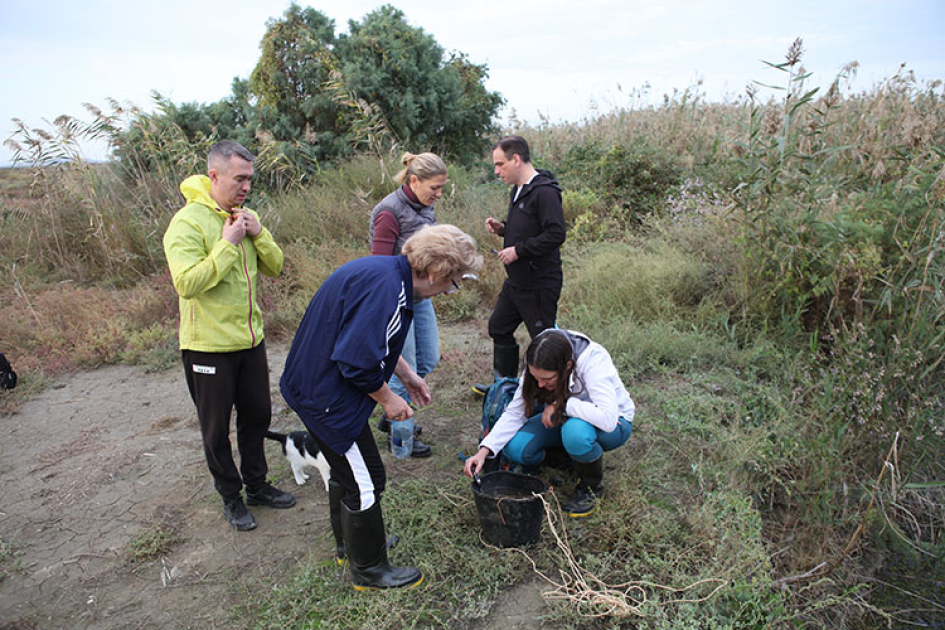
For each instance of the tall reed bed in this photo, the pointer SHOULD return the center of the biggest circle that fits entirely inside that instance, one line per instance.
(833, 204)
(819, 219)
(101, 225)
(98, 222)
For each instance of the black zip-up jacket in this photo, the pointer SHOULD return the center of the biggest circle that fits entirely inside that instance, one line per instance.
(535, 227)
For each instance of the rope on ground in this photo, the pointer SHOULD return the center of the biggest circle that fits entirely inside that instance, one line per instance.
(589, 593)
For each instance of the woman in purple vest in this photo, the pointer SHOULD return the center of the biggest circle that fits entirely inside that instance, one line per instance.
(395, 219)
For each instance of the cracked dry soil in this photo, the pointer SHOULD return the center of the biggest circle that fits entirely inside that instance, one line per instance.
(106, 455)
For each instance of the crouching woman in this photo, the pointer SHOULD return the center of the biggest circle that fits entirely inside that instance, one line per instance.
(585, 409)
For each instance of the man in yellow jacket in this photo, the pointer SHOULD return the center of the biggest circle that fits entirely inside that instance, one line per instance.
(214, 248)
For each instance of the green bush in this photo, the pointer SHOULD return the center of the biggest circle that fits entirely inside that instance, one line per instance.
(632, 181)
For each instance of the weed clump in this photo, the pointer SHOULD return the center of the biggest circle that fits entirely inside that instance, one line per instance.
(153, 543)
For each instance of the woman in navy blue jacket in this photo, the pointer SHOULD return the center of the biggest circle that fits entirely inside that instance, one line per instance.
(346, 349)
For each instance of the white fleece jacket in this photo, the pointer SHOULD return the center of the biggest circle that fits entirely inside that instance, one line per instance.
(601, 401)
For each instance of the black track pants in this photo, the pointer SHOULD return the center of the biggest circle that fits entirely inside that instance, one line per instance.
(538, 308)
(217, 383)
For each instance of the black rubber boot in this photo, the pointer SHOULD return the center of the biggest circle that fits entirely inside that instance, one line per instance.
(589, 488)
(335, 492)
(505, 360)
(383, 424)
(556, 457)
(366, 546)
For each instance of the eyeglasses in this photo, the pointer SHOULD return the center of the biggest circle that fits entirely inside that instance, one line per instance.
(457, 286)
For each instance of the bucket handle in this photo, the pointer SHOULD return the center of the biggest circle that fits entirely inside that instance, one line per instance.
(498, 505)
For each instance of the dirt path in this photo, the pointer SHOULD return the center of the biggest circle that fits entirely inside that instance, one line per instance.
(106, 455)
(102, 457)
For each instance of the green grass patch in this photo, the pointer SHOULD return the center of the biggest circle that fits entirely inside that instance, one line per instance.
(678, 514)
(9, 559)
(154, 542)
(437, 524)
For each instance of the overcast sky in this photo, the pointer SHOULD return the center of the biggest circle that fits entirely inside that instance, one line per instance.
(564, 59)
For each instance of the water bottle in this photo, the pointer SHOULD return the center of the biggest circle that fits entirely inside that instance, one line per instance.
(401, 438)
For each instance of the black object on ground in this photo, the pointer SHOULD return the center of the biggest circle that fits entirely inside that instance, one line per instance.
(509, 512)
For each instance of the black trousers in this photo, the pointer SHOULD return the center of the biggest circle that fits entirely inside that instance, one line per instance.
(538, 308)
(359, 470)
(218, 381)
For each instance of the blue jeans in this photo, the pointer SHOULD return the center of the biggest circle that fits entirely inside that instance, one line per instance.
(422, 346)
(581, 440)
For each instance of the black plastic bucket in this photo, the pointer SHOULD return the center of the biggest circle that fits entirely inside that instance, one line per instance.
(509, 512)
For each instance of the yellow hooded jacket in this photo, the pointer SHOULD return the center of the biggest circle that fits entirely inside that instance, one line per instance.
(216, 280)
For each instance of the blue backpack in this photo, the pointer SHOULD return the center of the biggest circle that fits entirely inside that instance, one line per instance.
(497, 398)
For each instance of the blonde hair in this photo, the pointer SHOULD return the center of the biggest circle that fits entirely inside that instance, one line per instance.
(443, 251)
(423, 166)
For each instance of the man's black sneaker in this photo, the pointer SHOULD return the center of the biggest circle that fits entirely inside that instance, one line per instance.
(270, 496)
(237, 515)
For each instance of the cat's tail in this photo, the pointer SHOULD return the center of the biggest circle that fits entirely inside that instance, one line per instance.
(278, 437)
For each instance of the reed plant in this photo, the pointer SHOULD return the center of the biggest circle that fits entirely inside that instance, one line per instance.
(95, 222)
(819, 220)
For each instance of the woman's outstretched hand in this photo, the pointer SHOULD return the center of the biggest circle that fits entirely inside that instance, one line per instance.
(475, 462)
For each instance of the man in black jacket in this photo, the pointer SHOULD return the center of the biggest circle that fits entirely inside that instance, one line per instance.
(532, 236)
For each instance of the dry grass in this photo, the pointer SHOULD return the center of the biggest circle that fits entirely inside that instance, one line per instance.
(58, 328)
(593, 597)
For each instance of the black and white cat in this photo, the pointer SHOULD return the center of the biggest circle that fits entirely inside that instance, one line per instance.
(301, 451)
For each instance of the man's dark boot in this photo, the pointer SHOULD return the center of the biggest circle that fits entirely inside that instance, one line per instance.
(505, 360)
(236, 514)
(366, 547)
(589, 488)
(335, 492)
(504, 363)
(270, 496)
